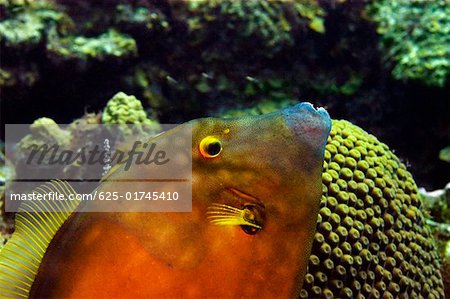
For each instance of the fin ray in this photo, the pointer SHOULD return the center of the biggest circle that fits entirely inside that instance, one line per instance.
(36, 225)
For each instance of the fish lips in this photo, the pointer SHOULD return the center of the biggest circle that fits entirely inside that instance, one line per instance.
(310, 125)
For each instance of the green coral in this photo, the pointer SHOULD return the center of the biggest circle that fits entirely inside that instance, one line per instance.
(28, 23)
(437, 203)
(111, 44)
(371, 225)
(6, 78)
(416, 36)
(267, 21)
(44, 131)
(129, 16)
(124, 109)
(312, 11)
(444, 154)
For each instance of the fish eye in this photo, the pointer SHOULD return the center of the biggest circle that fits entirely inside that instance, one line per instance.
(210, 147)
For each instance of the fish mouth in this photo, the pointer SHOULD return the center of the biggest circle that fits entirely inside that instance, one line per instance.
(319, 110)
(311, 126)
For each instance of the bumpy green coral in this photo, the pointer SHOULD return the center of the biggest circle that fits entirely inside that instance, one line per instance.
(416, 35)
(111, 44)
(124, 109)
(372, 240)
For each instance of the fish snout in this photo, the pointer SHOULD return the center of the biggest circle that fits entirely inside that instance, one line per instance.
(310, 125)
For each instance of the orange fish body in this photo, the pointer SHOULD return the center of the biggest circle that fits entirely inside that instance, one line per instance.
(256, 188)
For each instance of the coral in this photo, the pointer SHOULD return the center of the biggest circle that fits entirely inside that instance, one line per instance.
(269, 22)
(44, 131)
(416, 36)
(28, 23)
(142, 19)
(124, 109)
(444, 154)
(84, 132)
(437, 202)
(260, 19)
(38, 35)
(24, 30)
(6, 78)
(6, 222)
(112, 45)
(372, 238)
(198, 57)
(313, 12)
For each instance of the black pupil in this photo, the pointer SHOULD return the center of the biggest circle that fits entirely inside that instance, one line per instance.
(213, 148)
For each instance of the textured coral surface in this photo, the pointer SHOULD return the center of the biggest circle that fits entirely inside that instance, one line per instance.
(371, 239)
(416, 37)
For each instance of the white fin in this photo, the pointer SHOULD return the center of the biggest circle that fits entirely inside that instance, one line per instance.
(35, 228)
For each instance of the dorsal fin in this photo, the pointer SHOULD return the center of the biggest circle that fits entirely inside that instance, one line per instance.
(35, 228)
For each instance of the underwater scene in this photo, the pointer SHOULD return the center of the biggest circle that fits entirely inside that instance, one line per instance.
(225, 149)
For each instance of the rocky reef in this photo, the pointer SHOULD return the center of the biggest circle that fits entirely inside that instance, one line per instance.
(416, 37)
(81, 133)
(373, 236)
(186, 59)
(383, 65)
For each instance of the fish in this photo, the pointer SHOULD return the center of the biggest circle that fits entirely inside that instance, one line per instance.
(256, 190)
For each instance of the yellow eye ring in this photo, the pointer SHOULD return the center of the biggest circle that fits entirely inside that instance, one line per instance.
(210, 147)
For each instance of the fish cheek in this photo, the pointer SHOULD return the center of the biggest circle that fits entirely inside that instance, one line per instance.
(175, 239)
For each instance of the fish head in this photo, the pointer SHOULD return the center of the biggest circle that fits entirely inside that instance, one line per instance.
(258, 180)
(273, 161)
